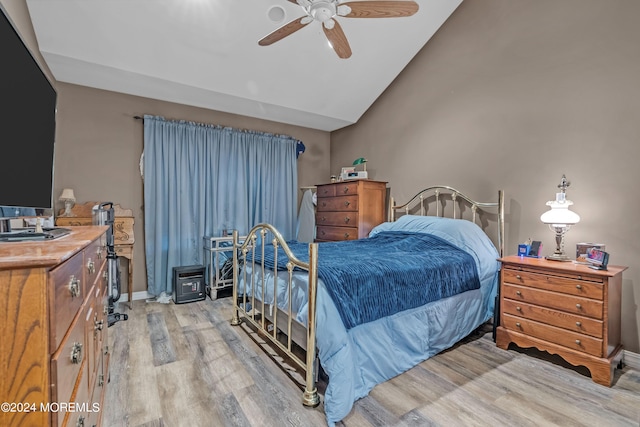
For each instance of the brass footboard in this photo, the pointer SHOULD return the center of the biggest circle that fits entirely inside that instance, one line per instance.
(263, 316)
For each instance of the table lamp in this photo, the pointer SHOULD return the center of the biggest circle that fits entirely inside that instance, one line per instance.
(69, 199)
(560, 219)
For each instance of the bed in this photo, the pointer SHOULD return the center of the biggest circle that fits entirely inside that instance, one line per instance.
(433, 282)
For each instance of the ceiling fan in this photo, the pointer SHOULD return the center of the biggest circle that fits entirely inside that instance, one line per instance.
(326, 12)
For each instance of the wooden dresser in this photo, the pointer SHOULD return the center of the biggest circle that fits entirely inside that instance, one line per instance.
(53, 352)
(348, 210)
(563, 308)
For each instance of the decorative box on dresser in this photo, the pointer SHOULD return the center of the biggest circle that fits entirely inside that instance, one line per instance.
(53, 352)
(348, 210)
(563, 308)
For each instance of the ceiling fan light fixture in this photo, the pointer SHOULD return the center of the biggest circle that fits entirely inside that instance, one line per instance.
(322, 11)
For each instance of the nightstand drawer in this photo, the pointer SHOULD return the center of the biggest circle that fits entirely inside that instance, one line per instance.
(575, 341)
(588, 288)
(336, 233)
(571, 304)
(342, 203)
(340, 219)
(579, 324)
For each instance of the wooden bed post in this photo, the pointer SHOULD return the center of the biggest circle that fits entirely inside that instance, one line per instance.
(310, 396)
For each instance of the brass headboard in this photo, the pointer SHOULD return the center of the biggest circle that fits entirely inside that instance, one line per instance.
(447, 199)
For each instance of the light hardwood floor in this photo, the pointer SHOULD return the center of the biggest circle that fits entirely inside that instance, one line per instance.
(185, 365)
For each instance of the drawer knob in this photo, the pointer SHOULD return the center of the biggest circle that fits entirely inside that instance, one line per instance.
(518, 293)
(578, 306)
(346, 235)
(347, 219)
(74, 286)
(578, 287)
(347, 203)
(323, 219)
(91, 267)
(578, 342)
(99, 253)
(76, 353)
(322, 232)
(518, 277)
(518, 309)
(578, 324)
(345, 190)
(518, 324)
(324, 204)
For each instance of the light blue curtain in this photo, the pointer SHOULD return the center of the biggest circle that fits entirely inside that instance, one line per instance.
(200, 179)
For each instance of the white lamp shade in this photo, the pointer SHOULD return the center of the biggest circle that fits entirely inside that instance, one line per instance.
(559, 215)
(67, 194)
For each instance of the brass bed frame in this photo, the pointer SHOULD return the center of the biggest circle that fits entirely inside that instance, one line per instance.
(279, 326)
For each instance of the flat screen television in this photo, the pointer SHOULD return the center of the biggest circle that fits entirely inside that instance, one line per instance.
(27, 128)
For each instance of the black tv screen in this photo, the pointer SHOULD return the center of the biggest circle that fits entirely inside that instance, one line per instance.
(27, 124)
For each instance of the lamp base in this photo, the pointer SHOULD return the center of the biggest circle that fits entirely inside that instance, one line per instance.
(558, 257)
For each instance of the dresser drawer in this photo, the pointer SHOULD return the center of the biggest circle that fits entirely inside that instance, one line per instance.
(68, 296)
(326, 191)
(339, 203)
(571, 304)
(94, 258)
(579, 342)
(580, 324)
(336, 233)
(340, 219)
(584, 286)
(67, 361)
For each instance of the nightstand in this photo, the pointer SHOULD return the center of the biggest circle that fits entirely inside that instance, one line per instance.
(563, 308)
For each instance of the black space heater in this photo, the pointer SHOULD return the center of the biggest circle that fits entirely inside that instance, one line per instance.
(188, 284)
(103, 214)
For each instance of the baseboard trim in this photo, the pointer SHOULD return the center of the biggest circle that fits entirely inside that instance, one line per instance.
(631, 359)
(136, 296)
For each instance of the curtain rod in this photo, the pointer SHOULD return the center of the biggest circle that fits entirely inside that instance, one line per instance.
(226, 126)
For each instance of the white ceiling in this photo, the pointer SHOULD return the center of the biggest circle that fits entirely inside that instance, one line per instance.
(205, 53)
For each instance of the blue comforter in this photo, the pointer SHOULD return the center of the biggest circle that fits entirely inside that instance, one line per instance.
(393, 271)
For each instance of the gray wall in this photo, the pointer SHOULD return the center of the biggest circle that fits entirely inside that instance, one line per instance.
(510, 95)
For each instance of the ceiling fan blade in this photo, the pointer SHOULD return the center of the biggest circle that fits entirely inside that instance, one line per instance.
(284, 31)
(338, 40)
(380, 9)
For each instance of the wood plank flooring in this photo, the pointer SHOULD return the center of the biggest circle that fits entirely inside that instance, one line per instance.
(185, 365)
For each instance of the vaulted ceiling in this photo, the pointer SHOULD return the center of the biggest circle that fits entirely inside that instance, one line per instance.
(205, 53)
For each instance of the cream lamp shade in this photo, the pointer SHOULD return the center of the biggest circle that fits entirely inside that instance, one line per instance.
(67, 194)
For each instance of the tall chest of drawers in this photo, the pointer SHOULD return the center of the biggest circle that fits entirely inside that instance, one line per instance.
(563, 308)
(348, 210)
(54, 358)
